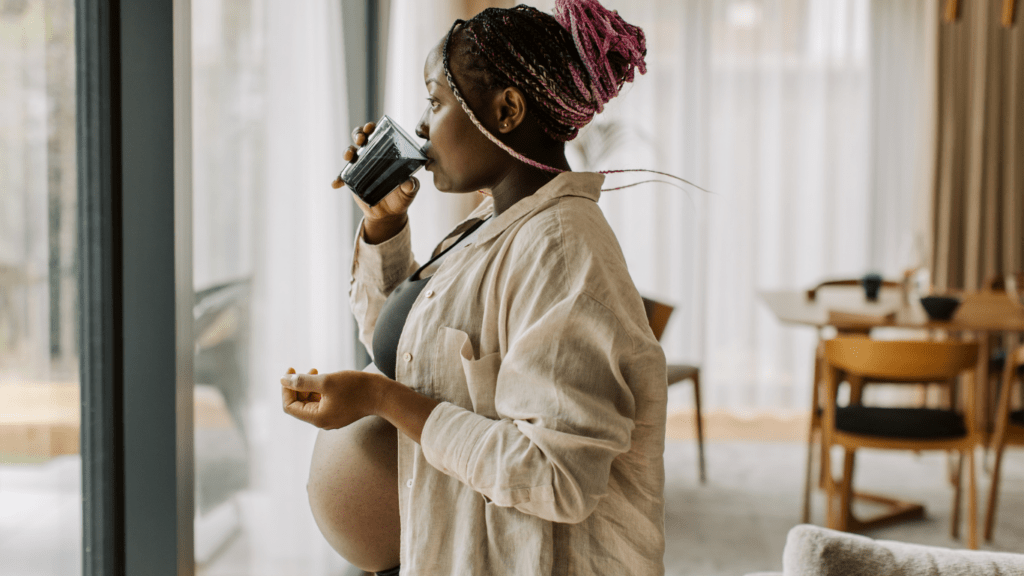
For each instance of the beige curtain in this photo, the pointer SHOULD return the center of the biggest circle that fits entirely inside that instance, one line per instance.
(978, 214)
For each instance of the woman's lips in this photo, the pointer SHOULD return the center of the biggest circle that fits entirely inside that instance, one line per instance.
(426, 152)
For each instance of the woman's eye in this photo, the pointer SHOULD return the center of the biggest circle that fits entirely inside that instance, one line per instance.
(433, 103)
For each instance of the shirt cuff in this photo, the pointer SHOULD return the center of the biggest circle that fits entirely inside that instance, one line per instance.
(450, 438)
(446, 422)
(383, 265)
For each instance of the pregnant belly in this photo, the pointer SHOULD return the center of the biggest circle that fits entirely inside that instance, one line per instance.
(353, 492)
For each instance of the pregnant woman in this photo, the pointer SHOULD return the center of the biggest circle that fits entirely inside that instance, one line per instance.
(517, 365)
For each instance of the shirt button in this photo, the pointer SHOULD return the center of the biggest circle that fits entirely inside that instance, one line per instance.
(407, 357)
(408, 483)
(429, 294)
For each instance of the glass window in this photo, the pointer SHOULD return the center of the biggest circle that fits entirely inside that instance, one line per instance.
(40, 467)
(272, 241)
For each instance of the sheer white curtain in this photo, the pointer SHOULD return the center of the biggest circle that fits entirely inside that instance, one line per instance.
(270, 127)
(415, 27)
(810, 122)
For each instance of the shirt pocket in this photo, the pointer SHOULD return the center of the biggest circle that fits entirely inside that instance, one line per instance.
(461, 377)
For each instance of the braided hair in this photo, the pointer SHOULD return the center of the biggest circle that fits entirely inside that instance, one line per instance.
(567, 66)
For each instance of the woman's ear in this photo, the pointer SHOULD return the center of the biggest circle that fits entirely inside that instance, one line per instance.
(511, 109)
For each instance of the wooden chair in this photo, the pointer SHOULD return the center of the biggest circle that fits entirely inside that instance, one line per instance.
(817, 410)
(1009, 430)
(657, 315)
(999, 346)
(857, 426)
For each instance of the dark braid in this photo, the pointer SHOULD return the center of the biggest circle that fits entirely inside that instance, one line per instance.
(531, 50)
(567, 66)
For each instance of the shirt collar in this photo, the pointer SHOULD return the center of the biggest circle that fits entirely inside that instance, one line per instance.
(582, 184)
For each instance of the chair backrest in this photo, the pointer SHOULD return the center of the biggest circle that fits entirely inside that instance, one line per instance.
(657, 316)
(901, 361)
(998, 283)
(813, 292)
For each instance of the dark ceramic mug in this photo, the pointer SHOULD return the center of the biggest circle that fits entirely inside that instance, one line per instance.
(872, 283)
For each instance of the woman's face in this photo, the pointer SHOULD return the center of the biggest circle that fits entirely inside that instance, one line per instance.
(460, 157)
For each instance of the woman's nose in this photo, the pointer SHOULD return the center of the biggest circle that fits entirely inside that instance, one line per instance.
(421, 128)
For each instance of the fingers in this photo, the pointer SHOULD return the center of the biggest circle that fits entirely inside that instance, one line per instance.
(288, 396)
(410, 187)
(362, 133)
(303, 382)
(313, 396)
(305, 411)
(298, 397)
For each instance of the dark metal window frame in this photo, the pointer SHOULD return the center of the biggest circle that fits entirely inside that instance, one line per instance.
(365, 29)
(134, 145)
(135, 277)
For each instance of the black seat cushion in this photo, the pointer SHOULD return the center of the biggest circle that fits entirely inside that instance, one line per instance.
(907, 423)
(1017, 417)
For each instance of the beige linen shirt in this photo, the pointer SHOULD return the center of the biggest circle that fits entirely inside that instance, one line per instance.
(545, 455)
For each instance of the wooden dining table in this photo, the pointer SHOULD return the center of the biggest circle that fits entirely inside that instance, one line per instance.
(846, 308)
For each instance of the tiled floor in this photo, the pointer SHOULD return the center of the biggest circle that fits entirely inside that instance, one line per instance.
(735, 524)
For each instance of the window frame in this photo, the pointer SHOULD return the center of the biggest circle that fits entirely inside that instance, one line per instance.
(134, 148)
(133, 92)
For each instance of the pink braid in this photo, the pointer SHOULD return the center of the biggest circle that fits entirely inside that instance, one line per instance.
(598, 31)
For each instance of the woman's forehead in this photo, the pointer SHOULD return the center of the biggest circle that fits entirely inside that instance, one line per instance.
(433, 68)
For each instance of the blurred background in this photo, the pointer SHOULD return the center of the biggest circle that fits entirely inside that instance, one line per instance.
(825, 132)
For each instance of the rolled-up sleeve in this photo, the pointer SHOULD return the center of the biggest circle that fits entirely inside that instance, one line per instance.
(376, 270)
(565, 412)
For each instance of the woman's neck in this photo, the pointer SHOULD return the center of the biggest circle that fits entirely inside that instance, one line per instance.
(523, 180)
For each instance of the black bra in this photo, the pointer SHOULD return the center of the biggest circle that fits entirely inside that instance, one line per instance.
(393, 315)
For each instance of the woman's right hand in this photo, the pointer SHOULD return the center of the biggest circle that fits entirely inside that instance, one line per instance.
(387, 217)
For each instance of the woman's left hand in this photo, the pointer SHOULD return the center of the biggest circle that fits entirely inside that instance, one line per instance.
(330, 401)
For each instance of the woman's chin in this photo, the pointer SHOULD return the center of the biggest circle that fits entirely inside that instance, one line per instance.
(444, 184)
(440, 182)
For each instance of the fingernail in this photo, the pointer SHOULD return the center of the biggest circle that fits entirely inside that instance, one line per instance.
(337, 183)
(291, 371)
(313, 371)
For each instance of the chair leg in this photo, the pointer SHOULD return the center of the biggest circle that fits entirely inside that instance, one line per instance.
(821, 471)
(831, 520)
(806, 517)
(845, 511)
(953, 467)
(972, 502)
(813, 426)
(993, 494)
(999, 447)
(700, 425)
(956, 478)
